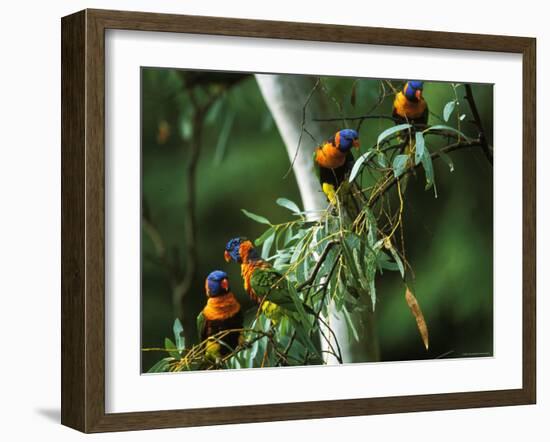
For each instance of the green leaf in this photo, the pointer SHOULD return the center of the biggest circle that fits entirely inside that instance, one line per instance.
(352, 331)
(447, 159)
(359, 163)
(261, 239)
(289, 236)
(398, 261)
(290, 205)
(429, 171)
(420, 147)
(371, 235)
(235, 362)
(161, 366)
(257, 218)
(392, 130)
(339, 296)
(298, 303)
(257, 360)
(266, 248)
(372, 292)
(214, 111)
(360, 265)
(449, 128)
(304, 339)
(400, 165)
(381, 159)
(186, 129)
(384, 263)
(297, 252)
(329, 263)
(347, 247)
(254, 349)
(448, 109)
(223, 137)
(302, 271)
(171, 348)
(178, 334)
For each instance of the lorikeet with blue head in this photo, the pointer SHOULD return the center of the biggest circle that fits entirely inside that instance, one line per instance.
(221, 313)
(263, 284)
(409, 106)
(334, 160)
(271, 291)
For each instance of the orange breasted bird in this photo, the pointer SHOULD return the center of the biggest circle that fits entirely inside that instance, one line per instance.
(222, 312)
(409, 105)
(263, 284)
(335, 160)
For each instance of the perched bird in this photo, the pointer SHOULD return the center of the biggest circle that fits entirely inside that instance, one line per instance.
(335, 160)
(263, 284)
(409, 105)
(222, 312)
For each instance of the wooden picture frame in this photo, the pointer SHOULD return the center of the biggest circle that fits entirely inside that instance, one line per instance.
(83, 219)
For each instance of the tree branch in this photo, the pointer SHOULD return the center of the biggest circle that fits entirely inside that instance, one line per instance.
(318, 265)
(477, 118)
(410, 169)
(189, 213)
(360, 117)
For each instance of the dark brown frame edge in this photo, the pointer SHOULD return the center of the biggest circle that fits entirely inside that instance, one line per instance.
(83, 216)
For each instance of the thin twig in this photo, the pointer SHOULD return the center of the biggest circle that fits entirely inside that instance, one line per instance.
(361, 117)
(302, 127)
(318, 265)
(393, 181)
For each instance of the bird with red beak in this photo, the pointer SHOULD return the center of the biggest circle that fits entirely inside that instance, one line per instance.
(222, 313)
(409, 105)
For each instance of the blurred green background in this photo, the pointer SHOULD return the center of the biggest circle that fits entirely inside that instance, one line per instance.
(449, 239)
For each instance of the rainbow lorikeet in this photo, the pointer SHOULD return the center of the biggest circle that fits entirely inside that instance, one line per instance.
(221, 313)
(334, 161)
(409, 105)
(263, 284)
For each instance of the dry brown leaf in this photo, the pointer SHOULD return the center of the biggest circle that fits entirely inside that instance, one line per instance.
(417, 313)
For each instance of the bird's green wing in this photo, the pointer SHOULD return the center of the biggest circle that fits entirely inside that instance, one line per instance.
(201, 323)
(271, 285)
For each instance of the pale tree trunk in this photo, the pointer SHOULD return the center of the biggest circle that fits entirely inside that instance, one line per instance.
(286, 96)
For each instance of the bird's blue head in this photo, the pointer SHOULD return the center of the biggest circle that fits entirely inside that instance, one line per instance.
(240, 250)
(413, 90)
(346, 139)
(217, 284)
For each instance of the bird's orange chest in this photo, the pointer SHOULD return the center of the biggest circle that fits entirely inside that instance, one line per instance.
(221, 307)
(408, 109)
(329, 156)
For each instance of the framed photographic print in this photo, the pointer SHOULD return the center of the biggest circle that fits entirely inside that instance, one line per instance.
(269, 221)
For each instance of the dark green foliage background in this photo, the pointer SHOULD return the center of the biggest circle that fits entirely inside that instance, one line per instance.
(448, 239)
